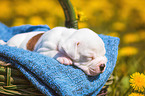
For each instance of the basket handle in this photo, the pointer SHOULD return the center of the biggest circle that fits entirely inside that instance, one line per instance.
(70, 16)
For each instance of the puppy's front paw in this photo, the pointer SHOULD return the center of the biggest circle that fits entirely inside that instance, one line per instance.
(64, 60)
(2, 42)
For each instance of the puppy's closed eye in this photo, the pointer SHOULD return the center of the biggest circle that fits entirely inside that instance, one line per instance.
(90, 58)
(86, 58)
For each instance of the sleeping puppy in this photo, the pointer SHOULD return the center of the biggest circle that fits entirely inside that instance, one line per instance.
(83, 47)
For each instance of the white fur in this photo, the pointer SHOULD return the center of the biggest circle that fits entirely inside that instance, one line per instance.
(83, 47)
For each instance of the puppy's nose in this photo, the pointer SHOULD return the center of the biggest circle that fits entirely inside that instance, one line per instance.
(102, 66)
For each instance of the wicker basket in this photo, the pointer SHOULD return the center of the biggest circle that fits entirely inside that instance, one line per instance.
(13, 82)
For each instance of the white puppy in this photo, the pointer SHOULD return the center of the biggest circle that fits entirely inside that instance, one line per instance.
(83, 47)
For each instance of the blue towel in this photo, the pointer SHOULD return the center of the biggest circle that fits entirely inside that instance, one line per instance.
(48, 75)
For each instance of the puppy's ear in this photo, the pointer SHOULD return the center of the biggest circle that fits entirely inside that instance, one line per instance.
(74, 50)
(71, 49)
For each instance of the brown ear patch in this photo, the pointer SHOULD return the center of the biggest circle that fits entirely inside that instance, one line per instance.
(31, 43)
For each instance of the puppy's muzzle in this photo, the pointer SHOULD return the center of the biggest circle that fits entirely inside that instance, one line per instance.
(95, 70)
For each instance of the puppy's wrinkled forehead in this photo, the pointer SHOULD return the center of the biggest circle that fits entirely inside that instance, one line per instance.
(86, 35)
(89, 39)
(85, 32)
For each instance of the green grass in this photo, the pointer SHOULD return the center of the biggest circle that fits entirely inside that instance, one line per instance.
(124, 68)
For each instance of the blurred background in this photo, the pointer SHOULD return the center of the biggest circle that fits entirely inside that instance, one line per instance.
(119, 18)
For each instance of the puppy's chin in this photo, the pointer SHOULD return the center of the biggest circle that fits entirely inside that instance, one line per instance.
(94, 67)
(88, 70)
(91, 72)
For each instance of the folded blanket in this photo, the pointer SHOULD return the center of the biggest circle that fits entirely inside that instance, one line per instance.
(48, 75)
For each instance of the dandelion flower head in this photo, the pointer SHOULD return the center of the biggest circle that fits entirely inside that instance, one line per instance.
(135, 94)
(137, 81)
(128, 51)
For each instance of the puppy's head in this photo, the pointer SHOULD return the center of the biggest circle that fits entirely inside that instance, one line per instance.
(87, 51)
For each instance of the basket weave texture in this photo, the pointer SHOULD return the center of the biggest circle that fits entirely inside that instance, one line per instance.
(13, 82)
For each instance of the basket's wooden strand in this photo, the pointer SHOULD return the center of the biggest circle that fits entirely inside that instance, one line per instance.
(70, 17)
(8, 72)
(13, 82)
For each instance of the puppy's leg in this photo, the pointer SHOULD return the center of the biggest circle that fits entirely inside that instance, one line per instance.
(2, 42)
(63, 59)
(56, 55)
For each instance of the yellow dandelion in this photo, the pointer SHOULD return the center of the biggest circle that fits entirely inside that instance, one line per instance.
(118, 26)
(128, 51)
(82, 25)
(136, 94)
(114, 34)
(18, 21)
(36, 20)
(131, 38)
(80, 16)
(137, 81)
